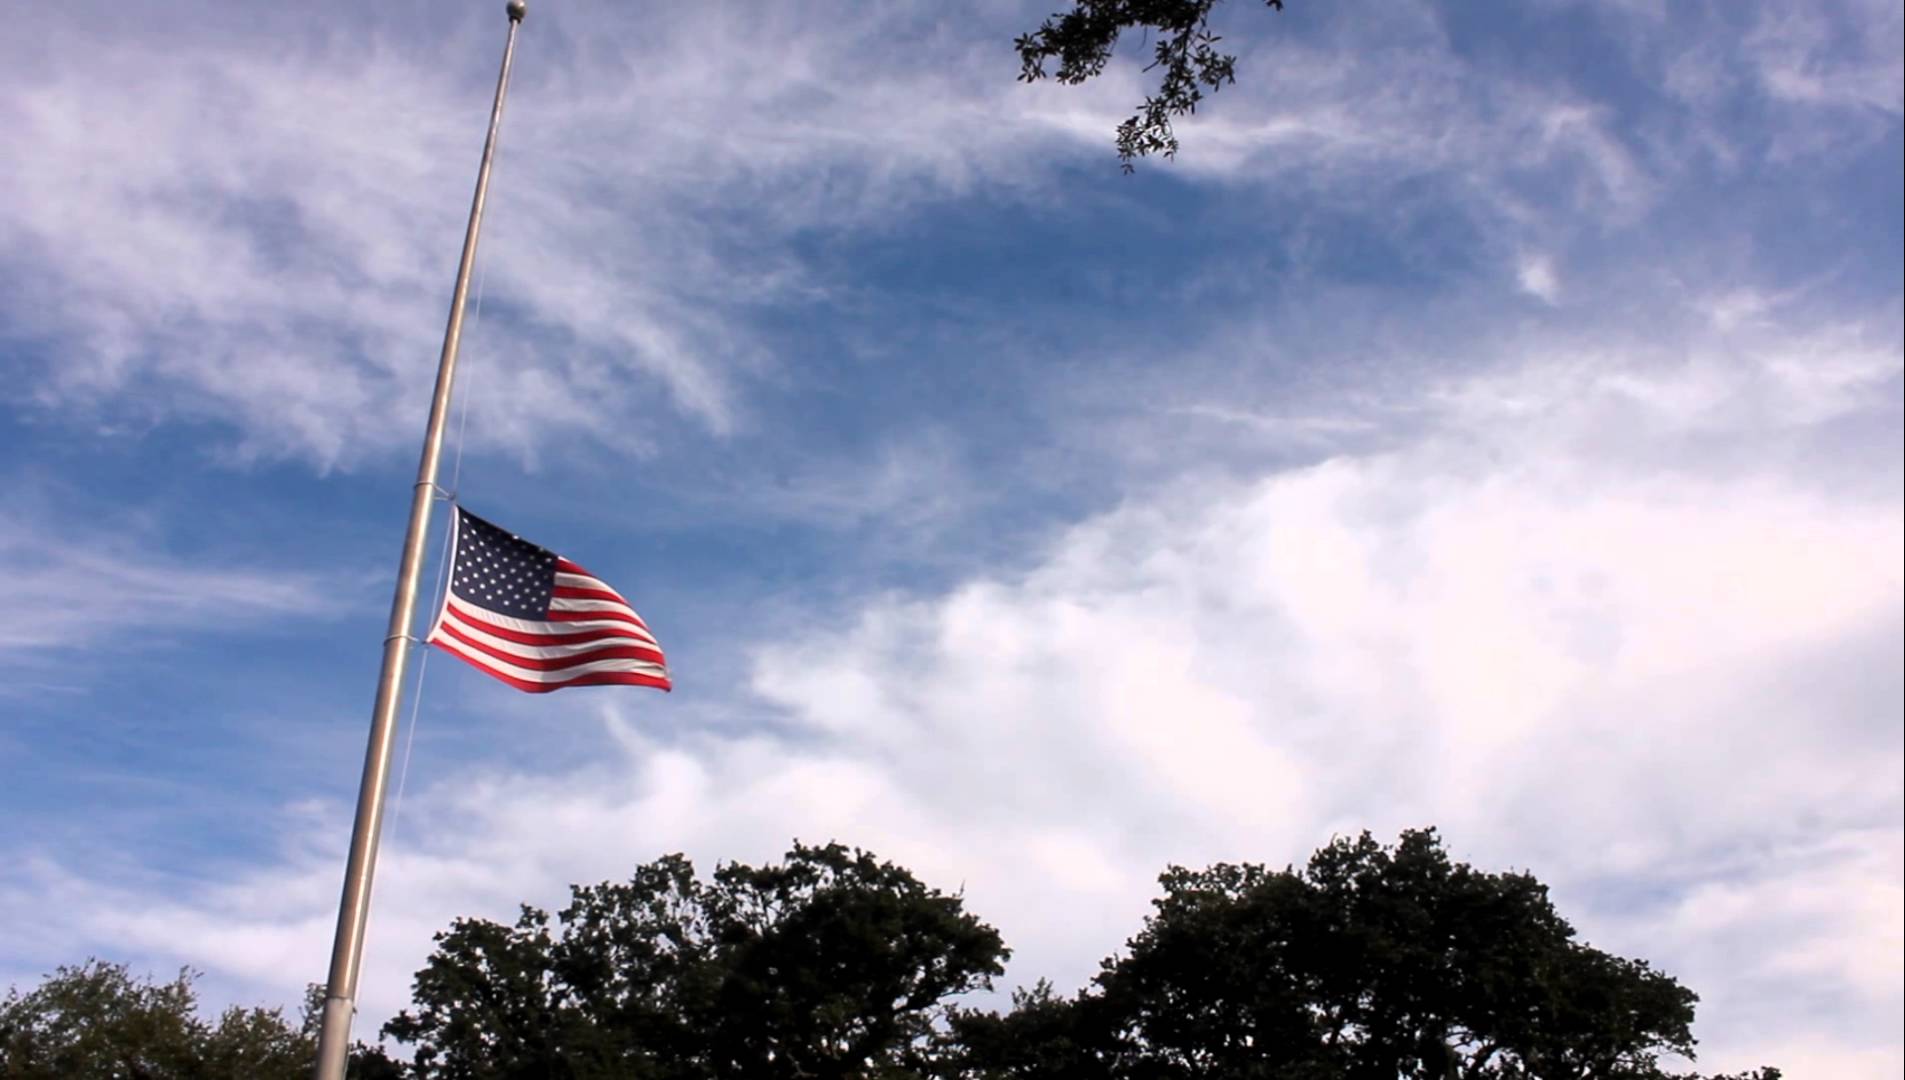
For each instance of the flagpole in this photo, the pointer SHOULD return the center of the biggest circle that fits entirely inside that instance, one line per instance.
(353, 909)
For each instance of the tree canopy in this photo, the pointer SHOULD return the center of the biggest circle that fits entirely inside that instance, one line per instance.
(96, 1020)
(829, 964)
(1371, 962)
(1083, 39)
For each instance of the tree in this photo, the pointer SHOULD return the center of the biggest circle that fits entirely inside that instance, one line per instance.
(1372, 962)
(1083, 39)
(828, 964)
(1042, 1037)
(97, 1021)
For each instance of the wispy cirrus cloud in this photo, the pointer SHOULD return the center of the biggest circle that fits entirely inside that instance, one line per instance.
(67, 585)
(263, 238)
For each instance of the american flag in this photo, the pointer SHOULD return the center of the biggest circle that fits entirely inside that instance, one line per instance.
(537, 621)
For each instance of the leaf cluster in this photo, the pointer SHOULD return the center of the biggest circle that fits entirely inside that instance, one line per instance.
(1083, 40)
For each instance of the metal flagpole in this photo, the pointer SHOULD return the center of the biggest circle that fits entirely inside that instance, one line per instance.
(353, 909)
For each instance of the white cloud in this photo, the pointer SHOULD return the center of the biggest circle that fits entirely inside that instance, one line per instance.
(1818, 79)
(1810, 56)
(268, 241)
(1671, 675)
(65, 587)
(1535, 274)
(265, 237)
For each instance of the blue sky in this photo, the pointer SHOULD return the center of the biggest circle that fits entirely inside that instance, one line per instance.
(1491, 420)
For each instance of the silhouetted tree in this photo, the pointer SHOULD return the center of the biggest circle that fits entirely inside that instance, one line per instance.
(831, 964)
(1372, 963)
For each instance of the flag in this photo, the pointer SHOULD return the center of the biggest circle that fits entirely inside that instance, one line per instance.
(537, 621)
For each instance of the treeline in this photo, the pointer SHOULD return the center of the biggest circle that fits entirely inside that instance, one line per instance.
(1372, 962)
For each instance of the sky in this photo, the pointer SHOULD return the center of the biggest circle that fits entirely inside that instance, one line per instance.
(1490, 420)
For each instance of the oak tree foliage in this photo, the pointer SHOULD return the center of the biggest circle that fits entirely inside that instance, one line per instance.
(98, 1021)
(1081, 42)
(1369, 962)
(830, 963)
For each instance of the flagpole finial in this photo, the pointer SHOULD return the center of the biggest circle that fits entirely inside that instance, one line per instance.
(517, 9)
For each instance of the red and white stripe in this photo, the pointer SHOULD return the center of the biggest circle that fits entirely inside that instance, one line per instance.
(591, 638)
